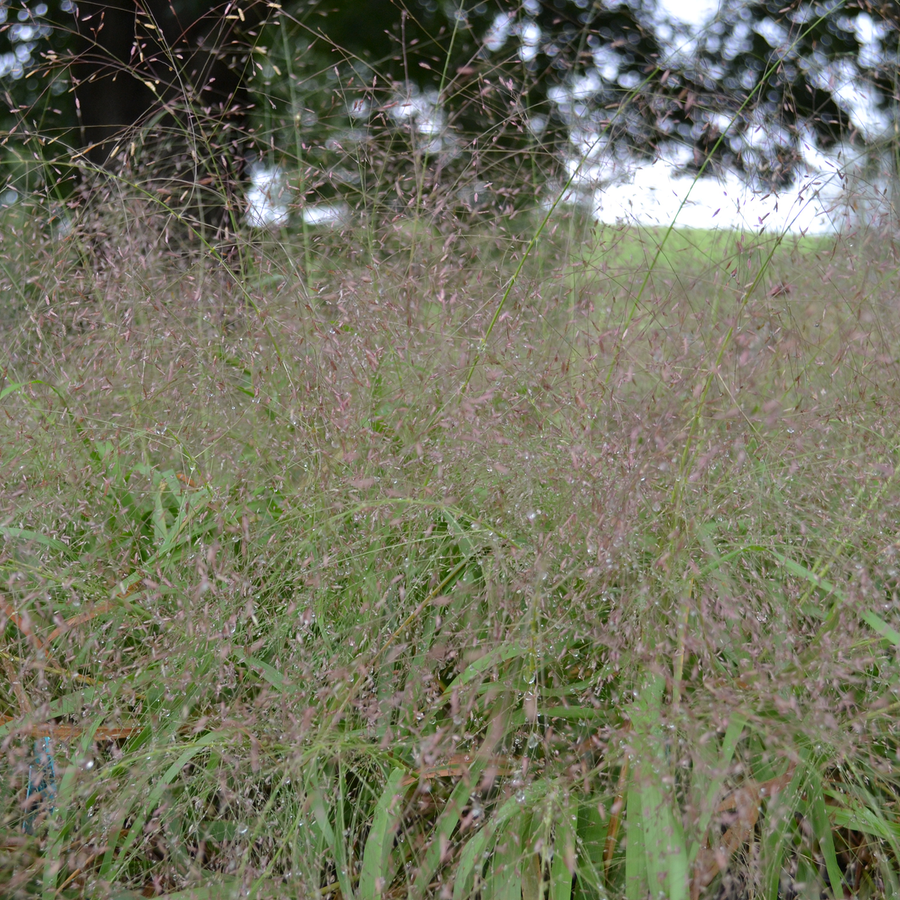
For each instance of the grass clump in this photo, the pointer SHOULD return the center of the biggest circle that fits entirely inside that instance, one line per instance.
(355, 593)
(447, 553)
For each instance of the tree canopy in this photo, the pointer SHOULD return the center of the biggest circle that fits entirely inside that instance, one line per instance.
(760, 80)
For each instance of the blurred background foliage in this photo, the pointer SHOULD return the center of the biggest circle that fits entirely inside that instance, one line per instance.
(760, 80)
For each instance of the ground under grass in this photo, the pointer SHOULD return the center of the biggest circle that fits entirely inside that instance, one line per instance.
(395, 575)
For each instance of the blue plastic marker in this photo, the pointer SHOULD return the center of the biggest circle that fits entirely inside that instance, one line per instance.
(41, 784)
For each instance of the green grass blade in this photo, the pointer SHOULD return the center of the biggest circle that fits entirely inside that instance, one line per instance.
(471, 857)
(666, 866)
(269, 673)
(637, 876)
(714, 787)
(115, 859)
(445, 826)
(591, 834)
(374, 879)
(27, 534)
(333, 838)
(776, 840)
(875, 622)
(68, 705)
(475, 670)
(564, 864)
(823, 830)
(505, 879)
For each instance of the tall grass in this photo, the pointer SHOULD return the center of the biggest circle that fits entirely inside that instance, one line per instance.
(382, 561)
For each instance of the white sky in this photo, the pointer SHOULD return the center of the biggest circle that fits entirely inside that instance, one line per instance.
(693, 12)
(656, 195)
